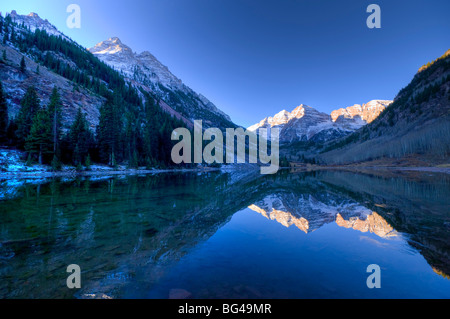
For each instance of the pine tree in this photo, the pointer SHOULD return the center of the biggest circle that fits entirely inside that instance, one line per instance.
(11, 132)
(150, 137)
(80, 138)
(54, 109)
(39, 141)
(13, 35)
(56, 163)
(133, 139)
(22, 65)
(8, 20)
(134, 160)
(29, 107)
(88, 162)
(109, 130)
(3, 116)
(5, 37)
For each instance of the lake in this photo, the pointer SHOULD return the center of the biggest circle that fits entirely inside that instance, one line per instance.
(227, 235)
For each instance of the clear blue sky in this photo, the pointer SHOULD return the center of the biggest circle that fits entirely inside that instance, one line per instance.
(254, 58)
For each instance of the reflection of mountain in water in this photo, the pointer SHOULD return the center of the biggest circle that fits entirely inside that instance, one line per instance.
(373, 223)
(415, 204)
(124, 230)
(307, 213)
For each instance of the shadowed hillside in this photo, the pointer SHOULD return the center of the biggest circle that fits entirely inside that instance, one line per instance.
(416, 123)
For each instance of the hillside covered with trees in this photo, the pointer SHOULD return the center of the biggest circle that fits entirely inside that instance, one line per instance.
(131, 127)
(416, 124)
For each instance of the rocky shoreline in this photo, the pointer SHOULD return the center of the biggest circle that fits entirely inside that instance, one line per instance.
(142, 171)
(74, 173)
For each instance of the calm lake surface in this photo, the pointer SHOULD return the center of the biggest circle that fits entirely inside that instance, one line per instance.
(227, 235)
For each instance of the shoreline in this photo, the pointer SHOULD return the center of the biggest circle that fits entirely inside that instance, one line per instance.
(73, 173)
(358, 168)
(47, 174)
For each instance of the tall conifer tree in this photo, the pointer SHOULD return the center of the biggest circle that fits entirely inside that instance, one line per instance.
(29, 107)
(39, 141)
(54, 109)
(3, 115)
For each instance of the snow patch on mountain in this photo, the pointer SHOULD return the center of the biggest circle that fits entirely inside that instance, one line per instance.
(33, 22)
(145, 69)
(305, 123)
(366, 112)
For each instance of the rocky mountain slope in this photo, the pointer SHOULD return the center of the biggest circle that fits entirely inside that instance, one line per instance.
(144, 70)
(33, 22)
(122, 121)
(305, 123)
(367, 112)
(416, 124)
(128, 104)
(15, 83)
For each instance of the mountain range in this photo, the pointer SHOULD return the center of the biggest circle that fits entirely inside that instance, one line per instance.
(33, 21)
(415, 123)
(308, 213)
(142, 70)
(306, 123)
(145, 71)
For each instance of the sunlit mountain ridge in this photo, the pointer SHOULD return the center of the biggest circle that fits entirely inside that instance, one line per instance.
(311, 214)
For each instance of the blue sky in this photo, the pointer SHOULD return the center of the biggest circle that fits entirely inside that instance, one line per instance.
(255, 58)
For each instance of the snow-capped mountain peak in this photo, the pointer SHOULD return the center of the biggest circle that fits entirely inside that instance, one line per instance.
(146, 70)
(366, 112)
(34, 21)
(143, 70)
(142, 67)
(305, 122)
(281, 118)
(112, 46)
